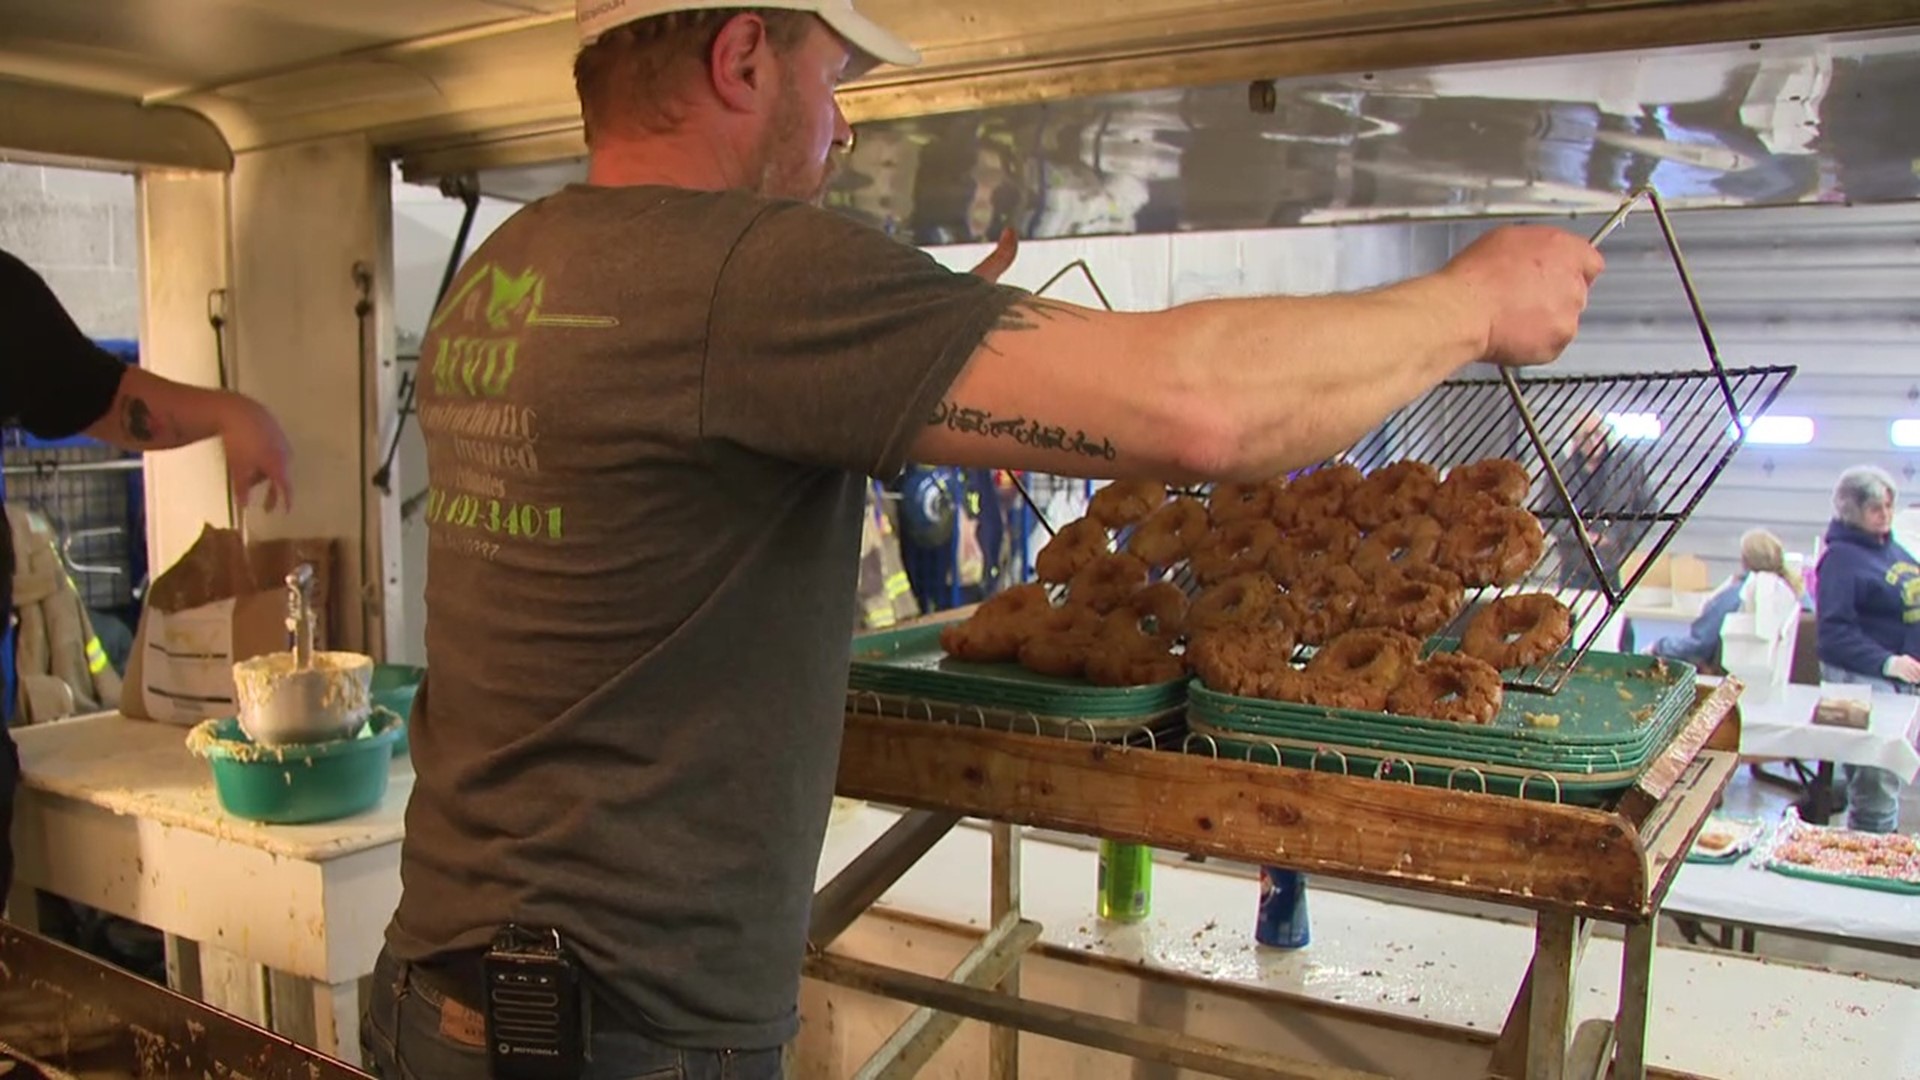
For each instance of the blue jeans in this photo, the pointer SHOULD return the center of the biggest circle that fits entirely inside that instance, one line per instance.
(412, 1032)
(1873, 794)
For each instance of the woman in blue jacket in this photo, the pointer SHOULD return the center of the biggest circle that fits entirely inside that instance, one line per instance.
(1868, 602)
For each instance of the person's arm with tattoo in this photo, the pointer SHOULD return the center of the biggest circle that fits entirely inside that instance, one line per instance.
(55, 382)
(153, 413)
(1246, 389)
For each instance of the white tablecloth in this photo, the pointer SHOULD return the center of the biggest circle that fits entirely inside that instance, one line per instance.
(1742, 893)
(1782, 727)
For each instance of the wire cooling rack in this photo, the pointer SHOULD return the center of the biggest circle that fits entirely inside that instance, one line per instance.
(1606, 501)
(1619, 497)
(1631, 501)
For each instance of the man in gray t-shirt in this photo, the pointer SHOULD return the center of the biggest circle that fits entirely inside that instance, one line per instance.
(651, 404)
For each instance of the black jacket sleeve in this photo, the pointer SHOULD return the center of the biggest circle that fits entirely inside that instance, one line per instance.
(53, 381)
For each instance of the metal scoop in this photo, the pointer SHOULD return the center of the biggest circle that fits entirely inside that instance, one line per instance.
(300, 614)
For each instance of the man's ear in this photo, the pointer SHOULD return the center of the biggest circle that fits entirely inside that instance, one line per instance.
(740, 63)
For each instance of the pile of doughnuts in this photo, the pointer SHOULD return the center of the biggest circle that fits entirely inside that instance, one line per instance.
(1372, 670)
(1363, 567)
(1113, 627)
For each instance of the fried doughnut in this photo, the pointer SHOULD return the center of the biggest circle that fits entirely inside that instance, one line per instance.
(1071, 549)
(1124, 668)
(1432, 574)
(1321, 493)
(1161, 606)
(1402, 489)
(1061, 641)
(1240, 501)
(1397, 545)
(1326, 692)
(1107, 582)
(1498, 547)
(1409, 605)
(1171, 533)
(999, 626)
(1240, 660)
(1503, 480)
(1380, 657)
(1322, 609)
(1312, 550)
(1249, 598)
(1240, 547)
(1126, 654)
(1518, 631)
(1124, 628)
(1061, 655)
(1124, 502)
(1450, 687)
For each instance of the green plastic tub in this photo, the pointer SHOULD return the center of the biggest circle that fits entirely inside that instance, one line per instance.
(394, 687)
(298, 785)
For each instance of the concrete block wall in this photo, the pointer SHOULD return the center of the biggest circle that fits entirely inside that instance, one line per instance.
(77, 228)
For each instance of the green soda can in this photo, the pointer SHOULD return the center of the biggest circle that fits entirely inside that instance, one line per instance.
(1126, 881)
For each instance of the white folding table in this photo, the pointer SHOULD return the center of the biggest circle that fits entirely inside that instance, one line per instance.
(282, 921)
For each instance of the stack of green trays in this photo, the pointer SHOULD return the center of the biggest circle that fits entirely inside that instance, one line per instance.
(1615, 714)
(910, 663)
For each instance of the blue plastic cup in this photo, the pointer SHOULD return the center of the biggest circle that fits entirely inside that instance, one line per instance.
(1282, 919)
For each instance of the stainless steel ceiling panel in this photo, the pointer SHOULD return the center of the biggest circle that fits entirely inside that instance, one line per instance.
(1800, 121)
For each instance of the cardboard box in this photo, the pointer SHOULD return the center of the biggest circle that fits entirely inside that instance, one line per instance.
(1678, 581)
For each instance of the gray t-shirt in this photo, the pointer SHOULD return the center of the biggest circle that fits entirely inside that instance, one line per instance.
(649, 416)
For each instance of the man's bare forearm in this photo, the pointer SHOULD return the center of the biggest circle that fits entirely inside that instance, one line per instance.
(1294, 381)
(1247, 389)
(1211, 390)
(154, 413)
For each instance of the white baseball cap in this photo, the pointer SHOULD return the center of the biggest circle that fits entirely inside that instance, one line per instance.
(596, 17)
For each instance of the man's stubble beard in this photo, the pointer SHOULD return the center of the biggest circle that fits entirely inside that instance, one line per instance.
(784, 167)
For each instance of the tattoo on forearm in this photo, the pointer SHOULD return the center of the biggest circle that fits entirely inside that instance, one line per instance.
(1022, 430)
(137, 419)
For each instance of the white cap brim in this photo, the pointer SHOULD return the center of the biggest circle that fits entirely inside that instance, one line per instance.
(869, 36)
(873, 41)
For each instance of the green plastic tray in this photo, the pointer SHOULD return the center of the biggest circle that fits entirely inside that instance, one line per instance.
(1308, 723)
(1444, 758)
(1392, 732)
(1345, 734)
(911, 662)
(1501, 737)
(294, 785)
(1574, 792)
(1160, 730)
(1886, 885)
(1596, 708)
